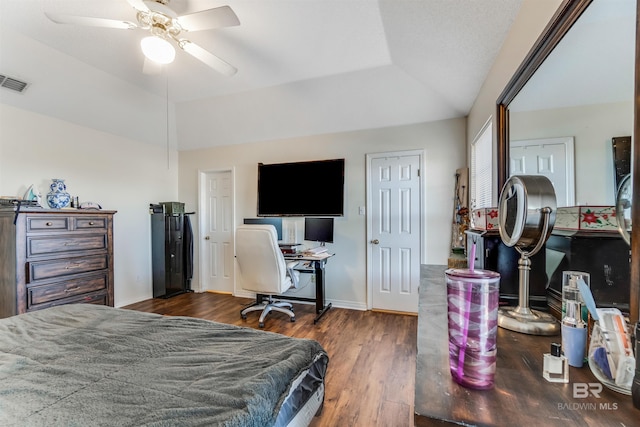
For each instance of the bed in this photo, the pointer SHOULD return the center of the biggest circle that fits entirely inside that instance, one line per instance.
(85, 365)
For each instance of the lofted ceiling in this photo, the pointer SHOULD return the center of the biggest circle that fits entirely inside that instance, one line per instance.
(305, 67)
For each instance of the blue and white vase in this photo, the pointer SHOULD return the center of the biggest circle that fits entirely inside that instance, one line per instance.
(58, 197)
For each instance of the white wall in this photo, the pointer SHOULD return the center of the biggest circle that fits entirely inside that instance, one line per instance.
(592, 127)
(444, 145)
(119, 173)
(126, 174)
(525, 30)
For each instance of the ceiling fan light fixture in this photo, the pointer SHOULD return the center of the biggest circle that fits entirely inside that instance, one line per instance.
(158, 49)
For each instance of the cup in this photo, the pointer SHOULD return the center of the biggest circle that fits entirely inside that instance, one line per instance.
(472, 308)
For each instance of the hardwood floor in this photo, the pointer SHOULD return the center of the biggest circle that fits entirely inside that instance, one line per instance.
(372, 356)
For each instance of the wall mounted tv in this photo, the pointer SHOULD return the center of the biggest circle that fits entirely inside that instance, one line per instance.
(313, 188)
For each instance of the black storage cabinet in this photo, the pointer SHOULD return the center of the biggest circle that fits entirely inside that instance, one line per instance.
(492, 254)
(604, 255)
(167, 249)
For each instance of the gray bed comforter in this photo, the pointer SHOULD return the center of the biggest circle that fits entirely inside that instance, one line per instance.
(85, 365)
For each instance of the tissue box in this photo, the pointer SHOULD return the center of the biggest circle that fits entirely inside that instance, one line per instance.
(586, 218)
(485, 219)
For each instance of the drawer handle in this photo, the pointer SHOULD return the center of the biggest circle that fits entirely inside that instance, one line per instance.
(91, 223)
(49, 224)
(75, 288)
(74, 265)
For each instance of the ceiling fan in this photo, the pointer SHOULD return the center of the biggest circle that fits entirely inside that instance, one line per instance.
(166, 29)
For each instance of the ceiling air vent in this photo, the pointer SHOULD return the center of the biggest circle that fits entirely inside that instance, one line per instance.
(13, 84)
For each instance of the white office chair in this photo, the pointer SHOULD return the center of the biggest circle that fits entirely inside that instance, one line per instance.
(264, 270)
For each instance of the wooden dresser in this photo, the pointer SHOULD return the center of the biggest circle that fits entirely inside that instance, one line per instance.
(52, 257)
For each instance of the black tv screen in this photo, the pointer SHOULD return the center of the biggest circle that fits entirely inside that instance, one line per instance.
(276, 222)
(314, 188)
(318, 230)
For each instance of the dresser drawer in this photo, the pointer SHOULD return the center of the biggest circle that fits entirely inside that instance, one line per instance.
(48, 223)
(93, 223)
(100, 298)
(40, 270)
(69, 288)
(38, 223)
(43, 245)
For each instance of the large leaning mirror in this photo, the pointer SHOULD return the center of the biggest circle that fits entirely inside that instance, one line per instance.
(569, 104)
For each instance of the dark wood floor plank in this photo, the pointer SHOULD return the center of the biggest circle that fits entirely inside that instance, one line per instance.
(372, 355)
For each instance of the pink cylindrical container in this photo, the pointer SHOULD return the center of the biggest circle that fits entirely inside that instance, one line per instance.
(472, 308)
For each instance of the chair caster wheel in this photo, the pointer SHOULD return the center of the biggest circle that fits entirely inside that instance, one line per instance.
(293, 319)
(244, 316)
(261, 325)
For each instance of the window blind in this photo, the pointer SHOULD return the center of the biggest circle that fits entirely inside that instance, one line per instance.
(481, 168)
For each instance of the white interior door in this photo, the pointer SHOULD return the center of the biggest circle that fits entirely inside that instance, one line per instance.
(394, 208)
(551, 157)
(216, 232)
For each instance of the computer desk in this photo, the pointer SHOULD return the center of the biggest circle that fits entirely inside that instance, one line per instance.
(316, 266)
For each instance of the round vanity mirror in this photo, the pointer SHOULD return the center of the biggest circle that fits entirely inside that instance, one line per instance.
(623, 208)
(527, 213)
(525, 202)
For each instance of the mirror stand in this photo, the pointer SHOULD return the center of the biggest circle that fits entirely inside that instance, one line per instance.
(526, 214)
(521, 318)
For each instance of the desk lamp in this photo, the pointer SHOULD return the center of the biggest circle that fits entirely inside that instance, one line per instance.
(527, 213)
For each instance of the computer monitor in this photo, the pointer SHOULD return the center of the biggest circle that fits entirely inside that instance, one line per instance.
(318, 230)
(276, 222)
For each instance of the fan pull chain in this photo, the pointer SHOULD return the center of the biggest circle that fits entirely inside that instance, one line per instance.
(167, 115)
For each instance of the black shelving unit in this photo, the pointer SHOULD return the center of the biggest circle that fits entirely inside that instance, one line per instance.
(170, 249)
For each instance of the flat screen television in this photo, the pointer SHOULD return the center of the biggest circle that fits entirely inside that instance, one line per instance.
(313, 188)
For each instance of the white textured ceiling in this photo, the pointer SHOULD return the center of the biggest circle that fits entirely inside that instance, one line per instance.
(306, 67)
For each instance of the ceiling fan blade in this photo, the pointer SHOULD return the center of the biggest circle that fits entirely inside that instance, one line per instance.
(217, 17)
(139, 5)
(91, 22)
(151, 68)
(208, 58)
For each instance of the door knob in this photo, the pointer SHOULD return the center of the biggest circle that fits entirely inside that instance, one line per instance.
(207, 238)
(375, 241)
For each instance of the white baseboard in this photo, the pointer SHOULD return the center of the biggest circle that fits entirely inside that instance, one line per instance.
(130, 301)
